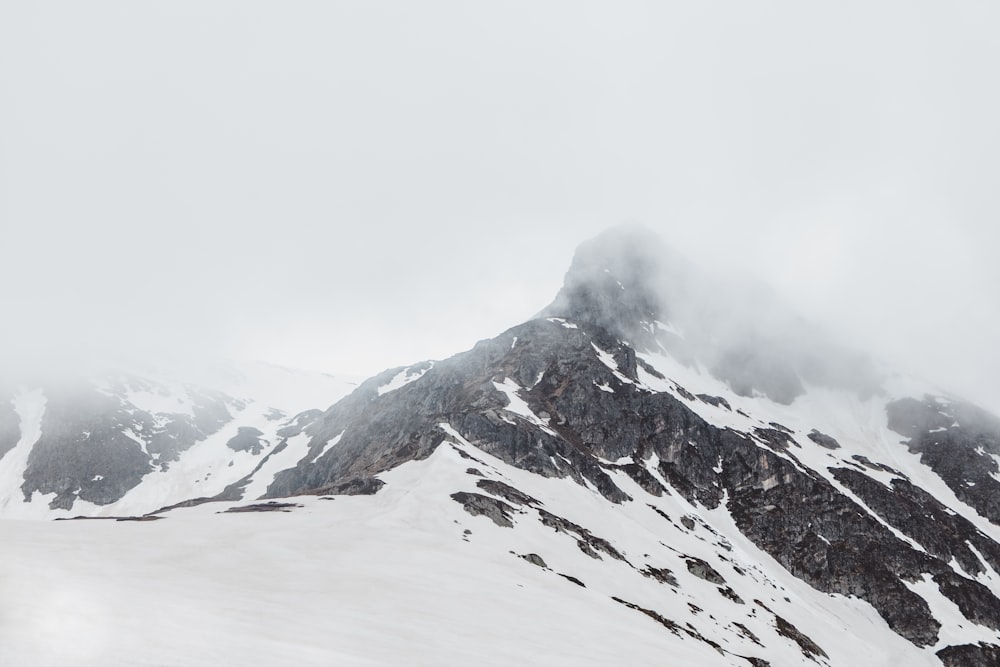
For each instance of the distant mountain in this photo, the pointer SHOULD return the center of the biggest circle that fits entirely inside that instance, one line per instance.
(656, 440)
(132, 441)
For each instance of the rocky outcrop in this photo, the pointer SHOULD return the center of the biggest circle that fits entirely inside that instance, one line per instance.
(970, 655)
(477, 504)
(84, 451)
(560, 396)
(96, 445)
(247, 439)
(958, 441)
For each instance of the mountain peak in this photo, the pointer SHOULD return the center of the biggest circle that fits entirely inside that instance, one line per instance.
(616, 282)
(628, 283)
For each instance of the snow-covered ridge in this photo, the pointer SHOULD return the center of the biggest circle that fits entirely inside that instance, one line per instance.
(149, 442)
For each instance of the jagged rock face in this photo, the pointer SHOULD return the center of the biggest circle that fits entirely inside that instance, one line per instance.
(84, 451)
(800, 518)
(581, 394)
(564, 396)
(96, 444)
(970, 655)
(959, 442)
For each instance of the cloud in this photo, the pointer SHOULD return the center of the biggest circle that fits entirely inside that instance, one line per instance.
(366, 185)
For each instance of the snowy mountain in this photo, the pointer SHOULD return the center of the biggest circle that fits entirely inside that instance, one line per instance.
(132, 441)
(659, 467)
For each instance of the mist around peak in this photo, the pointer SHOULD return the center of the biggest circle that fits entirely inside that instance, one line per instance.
(629, 282)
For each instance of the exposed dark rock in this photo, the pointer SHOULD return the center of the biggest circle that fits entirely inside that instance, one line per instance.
(665, 622)
(956, 440)
(717, 401)
(970, 655)
(661, 574)
(641, 476)
(587, 542)
(729, 593)
(573, 579)
(247, 439)
(823, 440)
(359, 486)
(776, 438)
(535, 559)
(809, 648)
(298, 423)
(84, 451)
(790, 511)
(506, 492)
(872, 465)
(96, 445)
(745, 631)
(973, 599)
(477, 504)
(824, 538)
(649, 369)
(923, 518)
(145, 517)
(684, 392)
(271, 506)
(703, 570)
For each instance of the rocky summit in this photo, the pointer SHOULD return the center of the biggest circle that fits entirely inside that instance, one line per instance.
(667, 451)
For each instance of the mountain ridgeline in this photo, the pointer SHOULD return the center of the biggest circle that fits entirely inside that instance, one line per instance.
(592, 401)
(668, 396)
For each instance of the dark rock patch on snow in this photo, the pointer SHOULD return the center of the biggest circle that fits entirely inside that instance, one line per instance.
(477, 504)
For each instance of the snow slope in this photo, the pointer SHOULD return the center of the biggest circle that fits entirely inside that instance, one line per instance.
(395, 578)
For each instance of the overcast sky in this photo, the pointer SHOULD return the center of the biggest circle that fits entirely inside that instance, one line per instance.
(355, 185)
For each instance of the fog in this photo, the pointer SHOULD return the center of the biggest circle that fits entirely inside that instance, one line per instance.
(352, 186)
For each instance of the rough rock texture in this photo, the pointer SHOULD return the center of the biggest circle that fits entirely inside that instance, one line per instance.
(477, 504)
(577, 374)
(96, 445)
(970, 655)
(703, 570)
(808, 646)
(812, 529)
(922, 517)
(958, 441)
(84, 451)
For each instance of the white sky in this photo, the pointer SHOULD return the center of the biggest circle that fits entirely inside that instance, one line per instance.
(355, 185)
